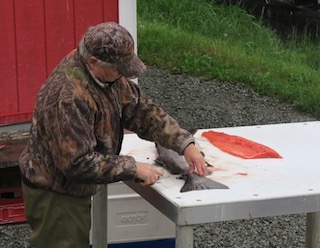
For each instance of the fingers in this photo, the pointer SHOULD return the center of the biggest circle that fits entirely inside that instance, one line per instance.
(195, 160)
(148, 174)
(192, 168)
(204, 169)
(150, 181)
(201, 168)
(159, 172)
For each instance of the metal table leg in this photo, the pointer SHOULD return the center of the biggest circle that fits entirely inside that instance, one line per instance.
(184, 237)
(99, 219)
(313, 230)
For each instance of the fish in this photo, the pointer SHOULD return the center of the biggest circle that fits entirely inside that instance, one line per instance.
(177, 164)
(239, 146)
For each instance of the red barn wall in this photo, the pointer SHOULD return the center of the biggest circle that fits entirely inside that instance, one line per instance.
(35, 36)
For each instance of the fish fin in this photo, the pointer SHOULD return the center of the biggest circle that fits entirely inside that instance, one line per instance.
(195, 182)
(158, 161)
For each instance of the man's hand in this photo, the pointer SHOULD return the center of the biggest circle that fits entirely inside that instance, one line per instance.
(195, 160)
(148, 173)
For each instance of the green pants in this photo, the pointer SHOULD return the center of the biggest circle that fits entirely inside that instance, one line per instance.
(57, 220)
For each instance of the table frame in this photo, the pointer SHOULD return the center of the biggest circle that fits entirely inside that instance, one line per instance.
(184, 229)
(185, 215)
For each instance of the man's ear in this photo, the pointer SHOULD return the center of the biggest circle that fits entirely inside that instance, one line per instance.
(93, 61)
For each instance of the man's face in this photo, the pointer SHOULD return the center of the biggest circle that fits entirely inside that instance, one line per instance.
(108, 73)
(104, 73)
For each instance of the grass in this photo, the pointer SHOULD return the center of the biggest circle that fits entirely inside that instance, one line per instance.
(201, 38)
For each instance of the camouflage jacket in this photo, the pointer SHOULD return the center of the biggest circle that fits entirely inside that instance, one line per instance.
(77, 130)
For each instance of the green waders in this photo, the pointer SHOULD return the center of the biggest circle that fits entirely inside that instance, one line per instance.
(57, 220)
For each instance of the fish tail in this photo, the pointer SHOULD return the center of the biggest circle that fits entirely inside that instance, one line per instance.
(195, 182)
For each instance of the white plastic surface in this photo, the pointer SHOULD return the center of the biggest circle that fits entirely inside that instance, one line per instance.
(131, 218)
(258, 187)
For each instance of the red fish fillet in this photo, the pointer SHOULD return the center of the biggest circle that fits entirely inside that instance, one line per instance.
(239, 146)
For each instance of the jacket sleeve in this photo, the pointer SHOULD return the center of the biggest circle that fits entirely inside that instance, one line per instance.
(149, 121)
(70, 136)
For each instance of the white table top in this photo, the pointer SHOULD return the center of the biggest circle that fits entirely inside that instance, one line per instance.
(258, 187)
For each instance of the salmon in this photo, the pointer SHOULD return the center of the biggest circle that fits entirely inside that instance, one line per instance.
(239, 146)
(176, 164)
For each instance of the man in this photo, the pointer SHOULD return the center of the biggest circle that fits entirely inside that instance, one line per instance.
(77, 131)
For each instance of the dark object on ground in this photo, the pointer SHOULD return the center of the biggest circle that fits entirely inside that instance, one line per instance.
(287, 18)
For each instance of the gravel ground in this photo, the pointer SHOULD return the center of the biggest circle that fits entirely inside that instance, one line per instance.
(197, 103)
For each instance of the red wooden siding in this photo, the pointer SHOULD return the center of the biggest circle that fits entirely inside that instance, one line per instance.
(59, 28)
(30, 45)
(8, 67)
(35, 35)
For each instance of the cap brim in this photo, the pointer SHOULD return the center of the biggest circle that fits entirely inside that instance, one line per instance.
(132, 68)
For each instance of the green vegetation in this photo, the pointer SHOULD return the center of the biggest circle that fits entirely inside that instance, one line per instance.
(201, 38)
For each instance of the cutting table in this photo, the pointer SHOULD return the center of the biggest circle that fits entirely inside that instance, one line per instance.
(257, 187)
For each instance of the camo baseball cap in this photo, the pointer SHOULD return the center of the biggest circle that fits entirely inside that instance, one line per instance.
(112, 43)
